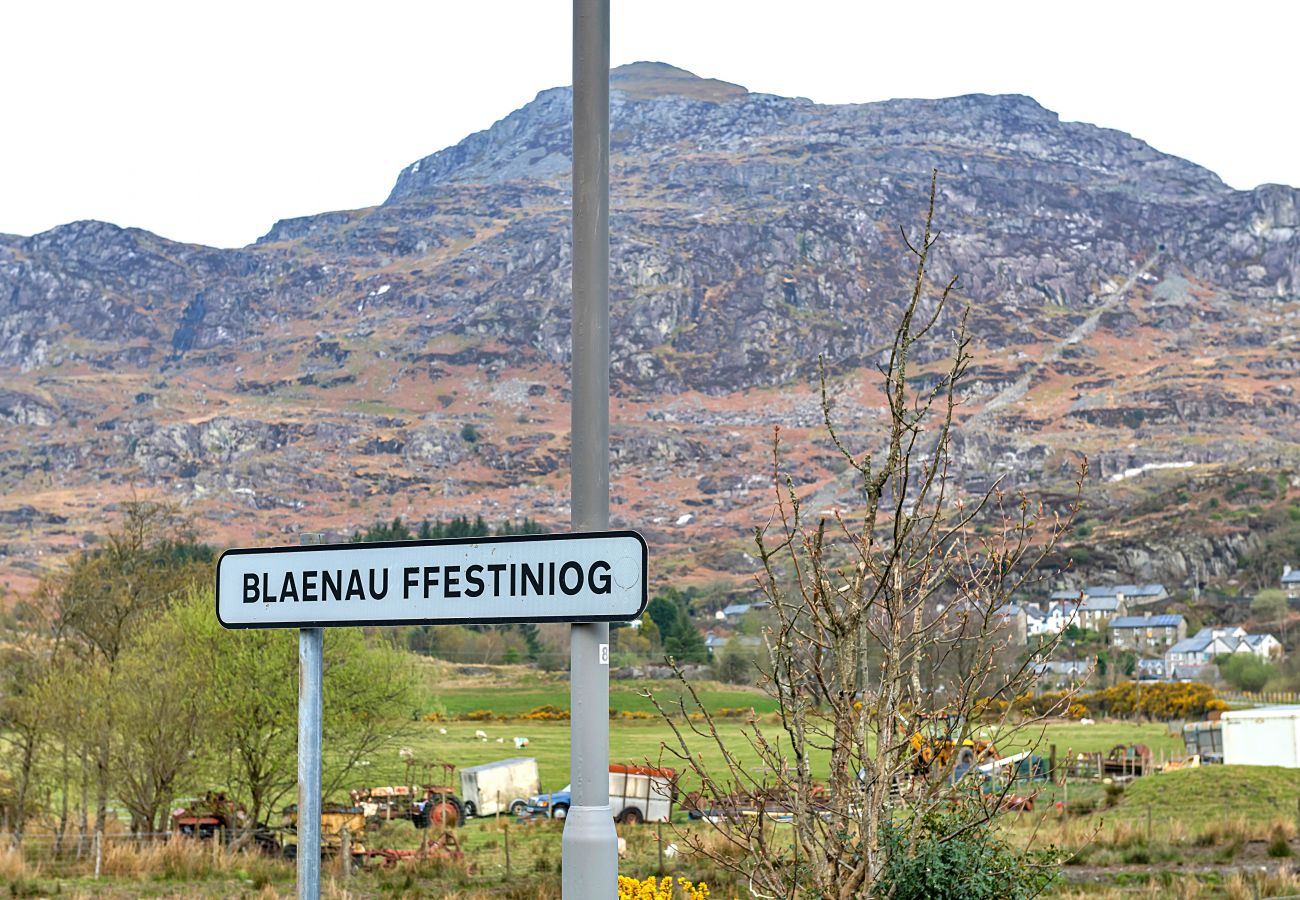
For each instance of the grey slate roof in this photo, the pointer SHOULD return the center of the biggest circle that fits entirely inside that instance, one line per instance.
(1111, 590)
(1192, 644)
(1171, 621)
(1292, 577)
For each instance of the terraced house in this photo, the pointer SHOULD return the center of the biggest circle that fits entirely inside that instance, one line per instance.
(1185, 657)
(1147, 632)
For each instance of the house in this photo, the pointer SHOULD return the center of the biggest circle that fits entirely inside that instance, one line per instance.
(716, 641)
(1050, 621)
(1198, 650)
(1147, 632)
(1130, 595)
(734, 611)
(1291, 582)
(1135, 595)
(1264, 645)
(1094, 612)
(1150, 669)
(1064, 672)
(1206, 644)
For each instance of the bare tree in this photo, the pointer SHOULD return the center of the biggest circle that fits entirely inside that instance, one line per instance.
(890, 647)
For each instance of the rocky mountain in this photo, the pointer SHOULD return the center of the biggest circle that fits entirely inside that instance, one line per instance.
(410, 358)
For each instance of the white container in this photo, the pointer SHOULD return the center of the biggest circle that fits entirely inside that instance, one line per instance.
(1268, 736)
(495, 787)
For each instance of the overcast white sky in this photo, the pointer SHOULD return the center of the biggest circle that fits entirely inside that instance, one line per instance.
(207, 122)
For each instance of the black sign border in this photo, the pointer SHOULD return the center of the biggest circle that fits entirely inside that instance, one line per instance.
(444, 542)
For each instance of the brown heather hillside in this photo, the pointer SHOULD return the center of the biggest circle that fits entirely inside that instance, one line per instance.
(1127, 304)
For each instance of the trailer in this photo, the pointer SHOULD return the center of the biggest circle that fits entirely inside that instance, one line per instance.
(640, 794)
(1204, 740)
(499, 787)
(636, 794)
(1267, 736)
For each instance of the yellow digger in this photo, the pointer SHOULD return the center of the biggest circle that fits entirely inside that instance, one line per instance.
(333, 819)
(937, 745)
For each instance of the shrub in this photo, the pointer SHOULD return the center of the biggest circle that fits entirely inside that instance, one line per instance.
(1163, 701)
(547, 713)
(947, 861)
(478, 715)
(1278, 845)
(1246, 671)
(661, 889)
(733, 712)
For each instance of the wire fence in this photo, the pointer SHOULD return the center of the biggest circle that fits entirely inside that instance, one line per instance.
(1262, 698)
(483, 851)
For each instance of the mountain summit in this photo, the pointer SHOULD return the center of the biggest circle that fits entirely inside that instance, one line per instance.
(651, 80)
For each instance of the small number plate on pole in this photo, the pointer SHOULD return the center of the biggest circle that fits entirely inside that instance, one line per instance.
(599, 577)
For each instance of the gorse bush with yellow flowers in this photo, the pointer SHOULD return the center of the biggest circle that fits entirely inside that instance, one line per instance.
(660, 889)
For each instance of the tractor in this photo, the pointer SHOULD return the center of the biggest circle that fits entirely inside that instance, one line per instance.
(425, 805)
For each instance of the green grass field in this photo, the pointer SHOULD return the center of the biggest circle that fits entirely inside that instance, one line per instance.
(508, 696)
(1209, 793)
(627, 697)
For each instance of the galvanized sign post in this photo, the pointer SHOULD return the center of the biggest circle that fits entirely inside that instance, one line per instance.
(589, 849)
(599, 577)
(311, 671)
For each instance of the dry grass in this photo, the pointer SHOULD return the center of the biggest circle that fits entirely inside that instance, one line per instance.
(1272, 884)
(1188, 887)
(13, 867)
(178, 859)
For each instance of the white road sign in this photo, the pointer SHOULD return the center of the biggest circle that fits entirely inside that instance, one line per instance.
(598, 577)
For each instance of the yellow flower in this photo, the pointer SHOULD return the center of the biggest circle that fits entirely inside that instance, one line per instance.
(692, 891)
(649, 889)
(661, 889)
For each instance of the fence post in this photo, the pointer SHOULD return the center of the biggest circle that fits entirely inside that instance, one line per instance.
(1051, 766)
(345, 839)
(505, 836)
(1148, 824)
(659, 831)
(99, 853)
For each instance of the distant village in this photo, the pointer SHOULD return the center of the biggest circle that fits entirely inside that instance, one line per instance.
(1122, 617)
(1129, 617)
